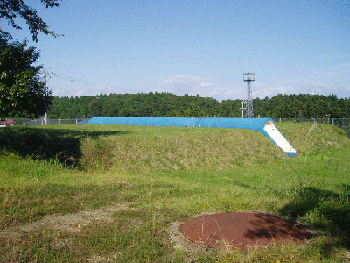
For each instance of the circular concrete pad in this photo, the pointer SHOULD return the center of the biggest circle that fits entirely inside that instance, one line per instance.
(242, 230)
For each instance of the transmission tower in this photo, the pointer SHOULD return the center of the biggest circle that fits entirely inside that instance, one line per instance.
(249, 77)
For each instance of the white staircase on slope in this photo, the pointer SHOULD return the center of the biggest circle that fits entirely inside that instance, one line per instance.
(279, 139)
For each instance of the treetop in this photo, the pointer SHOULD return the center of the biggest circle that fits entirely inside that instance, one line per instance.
(12, 9)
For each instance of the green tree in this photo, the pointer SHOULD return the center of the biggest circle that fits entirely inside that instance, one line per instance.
(22, 93)
(21, 90)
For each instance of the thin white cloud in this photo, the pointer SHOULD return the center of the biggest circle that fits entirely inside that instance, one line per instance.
(105, 89)
(267, 91)
(59, 92)
(204, 86)
(331, 74)
(333, 79)
(259, 84)
(187, 84)
(326, 89)
(100, 89)
(225, 93)
(313, 88)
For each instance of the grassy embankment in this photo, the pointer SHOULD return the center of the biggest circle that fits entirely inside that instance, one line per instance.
(63, 199)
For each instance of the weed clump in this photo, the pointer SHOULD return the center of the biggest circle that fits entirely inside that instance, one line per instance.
(97, 154)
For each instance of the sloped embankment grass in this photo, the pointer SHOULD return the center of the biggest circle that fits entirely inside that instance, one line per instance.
(170, 149)
(51, 212)
(309, 138)
(173, 149)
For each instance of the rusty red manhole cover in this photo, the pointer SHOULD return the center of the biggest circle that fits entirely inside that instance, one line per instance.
(241, 230)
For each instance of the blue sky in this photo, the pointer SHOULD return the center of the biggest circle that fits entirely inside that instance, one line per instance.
(196, 47)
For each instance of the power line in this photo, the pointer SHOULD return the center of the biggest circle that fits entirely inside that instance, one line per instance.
(74, 79)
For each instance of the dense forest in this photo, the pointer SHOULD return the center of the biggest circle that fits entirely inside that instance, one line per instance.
(167, 104)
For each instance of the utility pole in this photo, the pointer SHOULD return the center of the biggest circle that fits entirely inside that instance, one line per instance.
(243, 108)
(45, 74)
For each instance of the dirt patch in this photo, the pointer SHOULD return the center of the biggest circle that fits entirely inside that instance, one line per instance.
(181, 242)
(97, 259)
(67, 223)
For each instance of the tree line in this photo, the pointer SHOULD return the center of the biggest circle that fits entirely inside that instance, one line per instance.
(170, 105)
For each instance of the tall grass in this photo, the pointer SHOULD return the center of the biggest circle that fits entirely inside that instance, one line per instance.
(310, 138)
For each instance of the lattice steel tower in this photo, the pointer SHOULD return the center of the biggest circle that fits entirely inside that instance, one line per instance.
(249, 77)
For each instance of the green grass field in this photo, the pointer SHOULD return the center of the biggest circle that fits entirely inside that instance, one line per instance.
(109, 193)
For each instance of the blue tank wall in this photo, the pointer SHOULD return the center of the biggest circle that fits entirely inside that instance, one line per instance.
(242, 123)
(256, 124)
